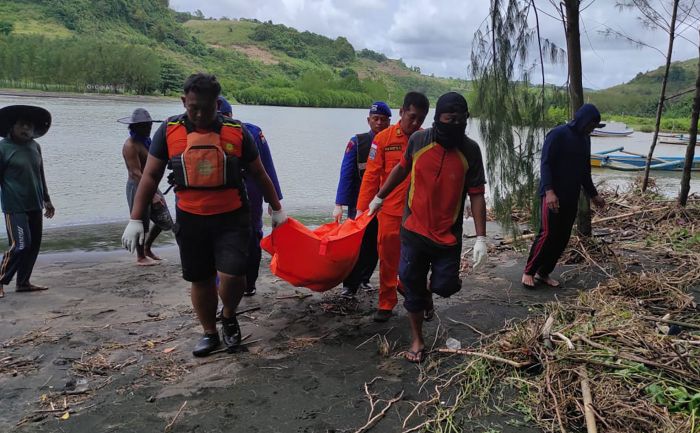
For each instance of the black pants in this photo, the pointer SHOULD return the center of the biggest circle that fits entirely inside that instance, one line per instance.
(367, 262)
(554, 234)
(254, 257)
(24, 235)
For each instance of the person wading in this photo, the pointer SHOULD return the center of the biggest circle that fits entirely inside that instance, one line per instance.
(206, 153)
(352, 170)
(23, 192)
(135, 153)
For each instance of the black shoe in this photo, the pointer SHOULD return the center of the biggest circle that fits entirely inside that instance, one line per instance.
(382, 315)
(348, 292)
(208, 344)
(250, 291)
(366, 287)
(231, 333)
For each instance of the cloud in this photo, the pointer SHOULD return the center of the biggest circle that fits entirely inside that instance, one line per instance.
(436, 35)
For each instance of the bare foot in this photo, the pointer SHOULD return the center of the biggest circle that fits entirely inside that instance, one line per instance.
(152, 255)
(2, 291)
(146, 261)
(528, 281)
(30, 288)
(549, 281)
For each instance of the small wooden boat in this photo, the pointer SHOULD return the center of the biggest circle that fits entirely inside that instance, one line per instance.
(631, 161)
(612, 129)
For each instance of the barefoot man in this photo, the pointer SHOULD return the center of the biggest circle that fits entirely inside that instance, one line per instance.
(135, 153)
(565, 168)
(23, 192)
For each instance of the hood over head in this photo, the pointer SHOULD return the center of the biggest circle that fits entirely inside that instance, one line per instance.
(585, 115)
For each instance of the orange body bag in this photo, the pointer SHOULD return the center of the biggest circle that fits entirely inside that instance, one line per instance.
(317, 259)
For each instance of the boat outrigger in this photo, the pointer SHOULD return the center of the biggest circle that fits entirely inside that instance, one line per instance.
(631, 161)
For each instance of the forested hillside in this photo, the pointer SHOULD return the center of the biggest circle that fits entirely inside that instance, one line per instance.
(144, 47)
(640, 96)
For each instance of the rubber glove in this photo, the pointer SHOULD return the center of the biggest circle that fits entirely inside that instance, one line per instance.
(375, 205)
(338, 213)
(278, 217)
(480, 252)
(134, 235)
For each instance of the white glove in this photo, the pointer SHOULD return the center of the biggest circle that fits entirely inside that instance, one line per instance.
(480, 252)
(134, 235)
(375, 205)
(338, 213)
(278, 217)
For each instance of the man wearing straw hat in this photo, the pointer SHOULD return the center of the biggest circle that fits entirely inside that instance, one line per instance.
(135, 153)
(23, 191)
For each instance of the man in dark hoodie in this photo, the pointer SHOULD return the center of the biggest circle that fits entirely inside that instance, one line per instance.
(445, 165)
(565, 167)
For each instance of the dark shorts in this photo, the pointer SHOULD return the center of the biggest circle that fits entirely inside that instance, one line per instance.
(417, 259)
(158, 213)
(211, 243)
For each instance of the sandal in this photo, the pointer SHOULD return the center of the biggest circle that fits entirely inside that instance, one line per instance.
(415, 357)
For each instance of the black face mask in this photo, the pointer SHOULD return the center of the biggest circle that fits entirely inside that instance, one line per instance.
(449, 135)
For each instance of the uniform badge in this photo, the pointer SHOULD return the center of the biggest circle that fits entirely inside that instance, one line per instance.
(349, 147)
(372, 151)
(229, 147)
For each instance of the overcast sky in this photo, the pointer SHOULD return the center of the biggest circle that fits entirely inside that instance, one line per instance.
(436, 35)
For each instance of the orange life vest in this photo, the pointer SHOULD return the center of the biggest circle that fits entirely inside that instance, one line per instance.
(206, 166)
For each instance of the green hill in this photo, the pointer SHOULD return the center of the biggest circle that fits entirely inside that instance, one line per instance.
(144, 47)
(639, 96)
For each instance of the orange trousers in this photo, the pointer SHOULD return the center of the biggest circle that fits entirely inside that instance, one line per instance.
(389, 248)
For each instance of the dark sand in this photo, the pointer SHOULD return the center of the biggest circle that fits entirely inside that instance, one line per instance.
(117, 340)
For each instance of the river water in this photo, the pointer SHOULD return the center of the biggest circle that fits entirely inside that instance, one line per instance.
(86, 173)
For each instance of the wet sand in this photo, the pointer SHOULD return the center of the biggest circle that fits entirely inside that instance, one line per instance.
(114, 340)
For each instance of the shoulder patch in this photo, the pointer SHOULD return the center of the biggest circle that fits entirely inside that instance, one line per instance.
(349, 147)
(372, 151)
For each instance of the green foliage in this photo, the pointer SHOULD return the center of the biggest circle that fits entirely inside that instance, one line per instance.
(640, 96)
(372, 55)
(6, 27)
(676, 398)
(78, 64)
(512, 114)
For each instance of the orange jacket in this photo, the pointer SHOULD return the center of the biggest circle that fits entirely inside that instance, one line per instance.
(387, 149)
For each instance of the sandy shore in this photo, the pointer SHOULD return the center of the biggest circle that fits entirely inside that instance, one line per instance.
(75, 95)
(112, 343)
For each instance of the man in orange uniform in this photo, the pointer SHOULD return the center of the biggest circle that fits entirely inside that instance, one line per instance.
(386, 151)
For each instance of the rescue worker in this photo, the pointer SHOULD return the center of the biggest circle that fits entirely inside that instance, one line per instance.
(206, 153)
(565, 167)
(352, 170)
(385, 152)
(444, 166)
(255, 197)
(135, 153)
(23, 192)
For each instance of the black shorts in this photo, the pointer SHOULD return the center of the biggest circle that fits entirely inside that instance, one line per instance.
(211, 243)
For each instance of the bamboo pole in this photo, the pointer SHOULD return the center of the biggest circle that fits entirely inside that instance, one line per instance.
(587, 401)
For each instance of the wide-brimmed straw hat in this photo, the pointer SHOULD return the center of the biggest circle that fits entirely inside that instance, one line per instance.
(40, 117)
(140, 115)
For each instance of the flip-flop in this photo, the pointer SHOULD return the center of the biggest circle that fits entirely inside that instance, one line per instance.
(30, 288)
(528, 286)
(542, 280)
(418, 356)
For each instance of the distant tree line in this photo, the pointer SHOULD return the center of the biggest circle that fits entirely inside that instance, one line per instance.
(79, 64)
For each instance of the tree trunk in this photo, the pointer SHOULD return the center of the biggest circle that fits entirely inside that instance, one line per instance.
(573, 51)
(662, 97)
(690, 150)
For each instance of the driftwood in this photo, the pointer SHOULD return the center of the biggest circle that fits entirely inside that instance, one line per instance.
(486, 356)
(587, 401)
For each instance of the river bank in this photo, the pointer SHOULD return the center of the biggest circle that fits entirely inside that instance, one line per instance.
(33, 93)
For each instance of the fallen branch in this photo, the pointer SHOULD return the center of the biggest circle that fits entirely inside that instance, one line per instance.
(672, 322)
(587, 401)
(487, 356)
(172, 423)
(380, 415)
